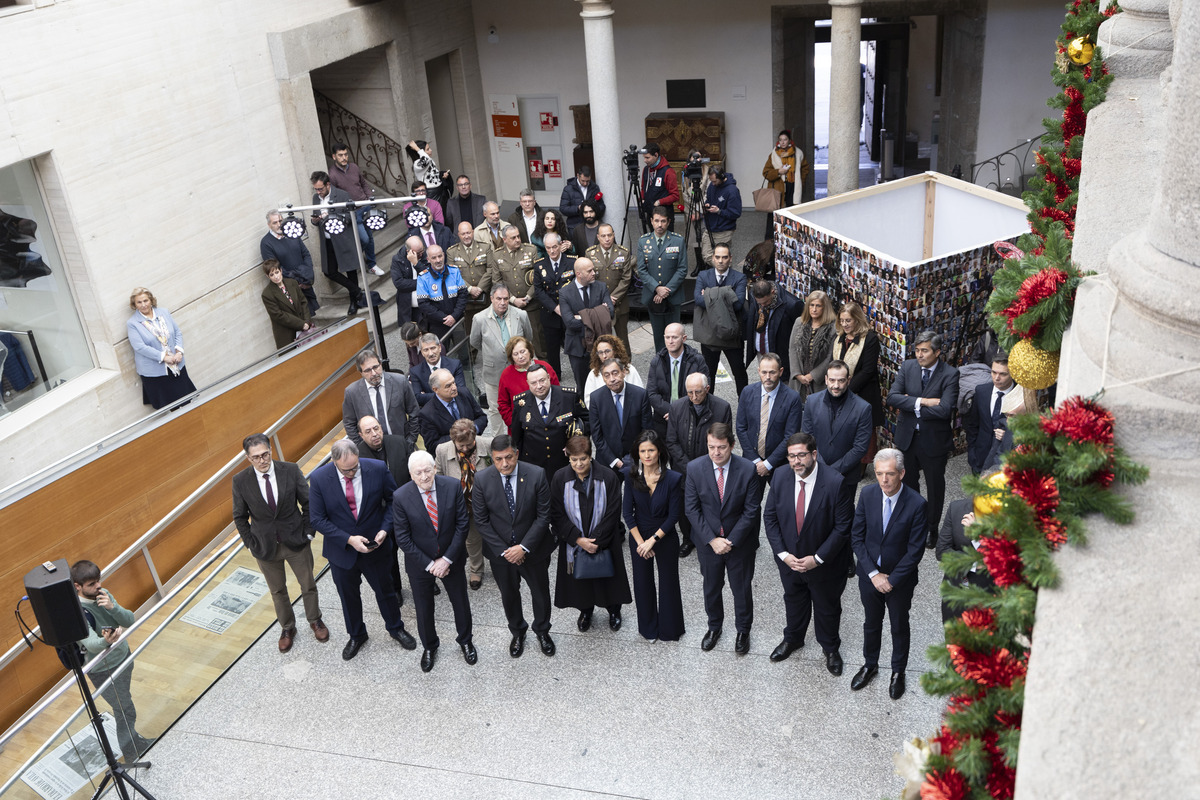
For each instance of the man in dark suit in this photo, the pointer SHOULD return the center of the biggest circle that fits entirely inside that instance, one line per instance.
(617, 412)
(422, 225)
(888, 532)
(721, 498)
(292, 255)
(407, 264)
(512, 512)
(841, 422)
(687, 435)
(582, 293)
(764, 438)
(393, 451)
(431, 521)
(351, 506)
(386, 396)
(668, 373)
(544, 418)
(953, 536)
(339, 251)
(710, 308)
(985, 424)
(447, 405)
(550, 274)
(270, 510)
(465, 205)
(807, 521)
(925, 394)
(431, 353)
(769, 323)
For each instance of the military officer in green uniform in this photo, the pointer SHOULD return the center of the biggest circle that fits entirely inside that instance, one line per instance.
(471, 258)
(512, 265)
(544, 418)
(614, 267)
(662, 266)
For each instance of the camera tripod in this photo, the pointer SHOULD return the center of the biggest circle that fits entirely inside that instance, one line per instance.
(695, 203)
(634, 193)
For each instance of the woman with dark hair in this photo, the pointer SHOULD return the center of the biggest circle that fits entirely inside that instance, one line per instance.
(285, 305)
(812, 338)
(608, 346)
(437, 182)
(785, 170)
(858, 345)
(585, 515)
(653, 504)
(157, 346)
(759, 263)
(551, 221)
(513, 380)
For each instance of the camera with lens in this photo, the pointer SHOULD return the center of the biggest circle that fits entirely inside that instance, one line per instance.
(694, 168)
(630, 156)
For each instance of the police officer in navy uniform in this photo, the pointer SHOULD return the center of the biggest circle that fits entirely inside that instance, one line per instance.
(544, 418)
(662, 266)
(550, 274)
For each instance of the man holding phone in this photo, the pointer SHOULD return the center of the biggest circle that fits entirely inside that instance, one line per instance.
(108, 620)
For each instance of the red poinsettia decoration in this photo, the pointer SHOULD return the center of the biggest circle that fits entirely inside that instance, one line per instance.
(947, 741)
(1003, 560)
(1081, 420)
(979, 618)
(948, 785)
(1040, 492)
(996, 668)
(1054, 531)
(1037, 287)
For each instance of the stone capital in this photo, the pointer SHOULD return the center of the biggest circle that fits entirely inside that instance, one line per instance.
(845, 3)
(595, 9)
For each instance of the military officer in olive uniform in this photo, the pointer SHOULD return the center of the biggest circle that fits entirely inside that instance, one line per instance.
(544, 418)
(550, 274)
(662, 266)
(471, 259)
(512, 265)
(614, 268)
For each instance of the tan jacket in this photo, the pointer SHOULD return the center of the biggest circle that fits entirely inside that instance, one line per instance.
(615, 269)
(515, 269)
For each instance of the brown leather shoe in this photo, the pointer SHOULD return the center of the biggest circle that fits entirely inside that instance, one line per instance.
(320, 631)
(285, 640)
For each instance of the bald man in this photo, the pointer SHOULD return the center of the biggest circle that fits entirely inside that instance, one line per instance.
(491, 230)
(470, 257)
(584, 292)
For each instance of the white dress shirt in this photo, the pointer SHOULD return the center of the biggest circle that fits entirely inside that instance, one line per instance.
(810, 485)
(262, 485)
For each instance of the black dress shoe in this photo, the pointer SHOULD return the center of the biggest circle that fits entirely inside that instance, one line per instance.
(863, 677)
(469, 654)
(833, 662)
(547, 644)
(405, 639)
(436, 589)
(585, 621)
(614, 620)
(517, 645)
(850, 573)
(710, 640)
(350, 312)
(741, 645)
(352, 647)
(784, 650)
(896, 686)
(427, 660)
(930, 543)
(686, 548)
(476, 583)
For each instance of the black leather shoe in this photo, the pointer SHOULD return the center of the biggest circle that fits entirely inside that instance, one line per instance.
(741, 645)
(833, 662)
(353, 308)
(352, 647)
(517, 646)
(896, 686)
(850, 573)
(547, 644)
(469, 654)
(686, 548)
(710, 640)
(931, 540)
(784, 650)
(427, 659)
(436, 589)
(476, 583)
(585, 621)
(863, 677)
(614, 620)
(405, 639)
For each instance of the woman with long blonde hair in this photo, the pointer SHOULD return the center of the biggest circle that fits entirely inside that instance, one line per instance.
(811, 346)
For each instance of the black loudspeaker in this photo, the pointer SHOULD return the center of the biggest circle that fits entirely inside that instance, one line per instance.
(55, 604)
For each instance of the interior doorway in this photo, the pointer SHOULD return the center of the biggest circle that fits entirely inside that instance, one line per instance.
(440, 78)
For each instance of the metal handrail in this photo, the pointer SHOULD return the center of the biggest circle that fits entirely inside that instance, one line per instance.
(997, 161)
(379, 156)
(144, 540)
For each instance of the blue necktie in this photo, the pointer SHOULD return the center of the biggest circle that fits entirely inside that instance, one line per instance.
(454, 410)
(924, 378)
(512, 504)
(996, 410)
(887, 517)
(620, 411)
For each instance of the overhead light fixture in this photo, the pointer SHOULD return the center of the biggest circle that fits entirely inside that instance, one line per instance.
(334, 224)
(293, 226)
(375, 218)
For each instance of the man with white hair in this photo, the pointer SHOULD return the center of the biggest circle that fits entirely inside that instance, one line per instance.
(441, 296)
(448, 405)
(550, 274)
(430, 519)
(491, 230)
(888, 538)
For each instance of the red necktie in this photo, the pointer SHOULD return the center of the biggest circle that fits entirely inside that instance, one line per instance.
(350, 497)
(800, 509)
(431, 507)
(721, 490)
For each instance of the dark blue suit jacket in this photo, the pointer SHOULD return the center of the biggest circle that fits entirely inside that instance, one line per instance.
(779, 330)
(979, 427)
(737, 281)
(418, 376)
(898, 549)
(826, 531)
(841, 443)
(785, 420)
(330, 513)
(935, 420)
(415, 535)
(612, 439)
(435, 420)
(738, 515)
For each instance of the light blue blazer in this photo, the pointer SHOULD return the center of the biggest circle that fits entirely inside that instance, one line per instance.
(147, 351)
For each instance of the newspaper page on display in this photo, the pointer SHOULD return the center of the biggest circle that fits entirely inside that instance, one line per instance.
(74, 764)
(226, 603)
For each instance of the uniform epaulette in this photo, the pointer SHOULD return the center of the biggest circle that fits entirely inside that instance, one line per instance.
(422, 272)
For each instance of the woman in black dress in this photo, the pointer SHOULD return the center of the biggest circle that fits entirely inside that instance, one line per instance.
(858, 345)
(653, 504)
(586, 496)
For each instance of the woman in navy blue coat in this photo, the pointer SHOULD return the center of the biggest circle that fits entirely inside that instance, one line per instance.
(653, 504)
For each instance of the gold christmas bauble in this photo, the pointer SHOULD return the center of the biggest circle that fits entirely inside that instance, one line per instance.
(989, 503)
(1031, 367)
(1080, 50)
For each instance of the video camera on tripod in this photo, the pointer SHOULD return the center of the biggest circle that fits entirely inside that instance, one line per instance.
(693, 170)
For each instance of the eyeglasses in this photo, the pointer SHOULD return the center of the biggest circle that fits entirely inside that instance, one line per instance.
(376, 368)
(260, 457)
(798, 456)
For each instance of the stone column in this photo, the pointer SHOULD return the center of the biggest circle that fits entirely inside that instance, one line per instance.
(602, 96)
(845, 110)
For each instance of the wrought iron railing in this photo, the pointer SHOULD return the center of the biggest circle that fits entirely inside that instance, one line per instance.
(1008, 172)
(380, 157)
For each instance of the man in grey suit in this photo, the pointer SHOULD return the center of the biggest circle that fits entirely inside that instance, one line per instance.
(841, 422)
(270, 510)
(581, 293)
(386, 396)
(512, 510)
(490, 331)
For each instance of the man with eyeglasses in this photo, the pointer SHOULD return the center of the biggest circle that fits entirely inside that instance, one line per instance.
(465, 205)
(386, 396)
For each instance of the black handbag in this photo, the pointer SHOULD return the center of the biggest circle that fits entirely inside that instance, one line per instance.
(589, 566)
